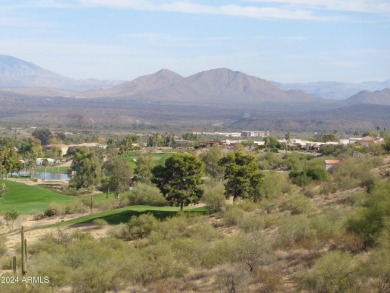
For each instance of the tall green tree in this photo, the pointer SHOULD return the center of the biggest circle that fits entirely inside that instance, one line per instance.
(145, 165)
(87, 168)
(30, 150)
(44, 135)
(272, 143)
(54, 153)
(126, 145)
(119, 173)
(9, 160)
(242, 174)
(179, 179)
(211, 158)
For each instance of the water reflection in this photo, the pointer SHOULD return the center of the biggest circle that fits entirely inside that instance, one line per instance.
(44, 175)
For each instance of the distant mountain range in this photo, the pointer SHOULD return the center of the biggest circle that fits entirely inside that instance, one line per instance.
(217, 98)
(220, 86)
(334, 90)
(19, 74)
(212, 86)
(365, 97)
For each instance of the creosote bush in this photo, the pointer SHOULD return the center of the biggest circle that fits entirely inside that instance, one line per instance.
(295, 231)
(298, 204)
(146, 194)
(333, 272)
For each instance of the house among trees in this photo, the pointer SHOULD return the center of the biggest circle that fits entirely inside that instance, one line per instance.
(329, 164)
(366, 140)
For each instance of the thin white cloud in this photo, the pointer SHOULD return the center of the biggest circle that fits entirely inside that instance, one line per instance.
(195, 8)
(363, 6)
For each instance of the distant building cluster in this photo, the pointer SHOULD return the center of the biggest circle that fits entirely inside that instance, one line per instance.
(313, 145)
(247, 133)
(243, 134)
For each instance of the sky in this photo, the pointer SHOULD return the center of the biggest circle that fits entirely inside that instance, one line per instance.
(278, 40)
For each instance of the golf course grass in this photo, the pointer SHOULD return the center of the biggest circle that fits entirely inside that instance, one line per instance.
(123, 215)
(25, 198)
(159, 158)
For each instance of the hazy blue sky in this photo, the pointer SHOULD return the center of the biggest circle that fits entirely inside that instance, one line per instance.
(282, 40)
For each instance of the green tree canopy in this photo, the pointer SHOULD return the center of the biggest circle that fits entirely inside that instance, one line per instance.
(119, 173)
(87, 168)
(179, 179)
(145, 165)
(30, 149)
(9, 159)
(272, 143)
(242, 175)
(211, 158)
(126, 145)
(44, 135)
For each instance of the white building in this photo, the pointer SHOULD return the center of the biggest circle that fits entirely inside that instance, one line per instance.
(247, 133)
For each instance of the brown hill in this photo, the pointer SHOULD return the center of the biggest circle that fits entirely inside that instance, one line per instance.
(221, 86)
(366, 97)
(139, 85)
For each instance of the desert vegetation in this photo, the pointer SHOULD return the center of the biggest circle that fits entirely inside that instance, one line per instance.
(204, 220)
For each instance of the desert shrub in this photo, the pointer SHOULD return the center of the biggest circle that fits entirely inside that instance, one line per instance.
(100, 223)
(329, 224)
(295, 231)
(270, 278)
(250, 222)
(192, 250)
(333, 272)
(120, 231)
(48, 264)
(369, 182)
(368, 221)
(141, 226)
(232, 215)
(274, 184)
(7, 263)
(170, 229)
(352, 171)
(183, 226)
(356, 199)
(317, 173)
(107, 204)
(271, 161)
(376, 270)
(297, 204)
(246, 205)
(304, 177)
(10, 217)
(145, 194)
(82, 191)
(75, 207)
(214, 197)
(92, 279)
(3, 248)
(21, 287)
(54, 209)
(299, 178)
(253, 250)
(233, 280)
(202, 230)
(160, 262)
(220, 252)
